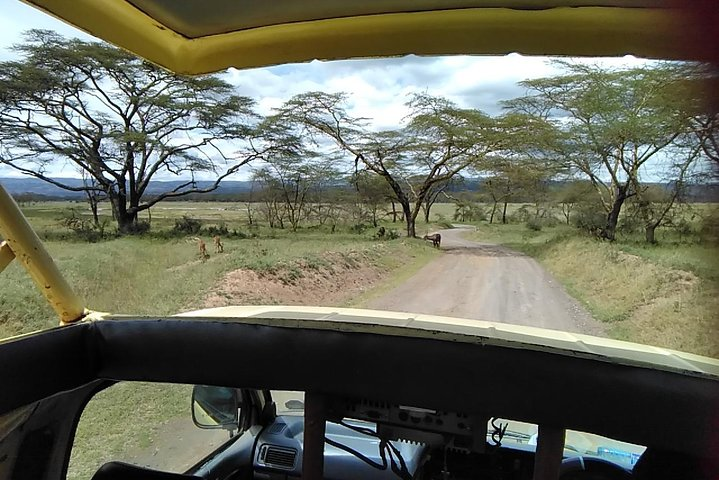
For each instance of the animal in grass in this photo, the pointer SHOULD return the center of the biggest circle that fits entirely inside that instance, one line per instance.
(202, 248)
(435, 238)
(219, 248)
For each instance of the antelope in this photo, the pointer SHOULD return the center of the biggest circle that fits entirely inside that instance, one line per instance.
(219, 248)
(202, 249)
(435, 238)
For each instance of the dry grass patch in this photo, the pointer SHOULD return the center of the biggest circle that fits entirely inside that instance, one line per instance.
(642, 300)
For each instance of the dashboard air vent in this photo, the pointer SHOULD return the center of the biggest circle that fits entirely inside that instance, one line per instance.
(279, 457)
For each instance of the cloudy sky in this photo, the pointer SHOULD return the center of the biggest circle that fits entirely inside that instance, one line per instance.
(378, 87)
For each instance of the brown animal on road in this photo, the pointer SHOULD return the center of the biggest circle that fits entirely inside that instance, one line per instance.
(435, 238)
(219, 248)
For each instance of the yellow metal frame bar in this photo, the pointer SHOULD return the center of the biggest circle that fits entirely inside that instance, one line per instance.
(6, 255)
(22, 242)
(577, 31)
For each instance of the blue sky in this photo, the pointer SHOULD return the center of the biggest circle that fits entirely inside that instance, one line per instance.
(378, 87)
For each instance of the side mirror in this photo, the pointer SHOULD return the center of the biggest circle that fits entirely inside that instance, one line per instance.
(294, 404)
(216, 407)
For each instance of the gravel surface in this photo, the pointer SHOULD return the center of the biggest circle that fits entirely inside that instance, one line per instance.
(488, 282)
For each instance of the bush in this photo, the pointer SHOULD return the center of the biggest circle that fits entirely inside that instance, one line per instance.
(534, 224)
(709, 226)
(187, 226)
(140, 228)
(521, 215)
(629, 225)
(469, 212)
(590, 217)
(442, 222)
(84, 228)
(220, 229)
(683, 228)
(549, 220)
(358, 228)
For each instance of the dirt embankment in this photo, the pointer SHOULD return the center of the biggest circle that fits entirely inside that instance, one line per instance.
(331, 280)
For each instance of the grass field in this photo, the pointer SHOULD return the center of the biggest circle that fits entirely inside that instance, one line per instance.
(162, 276)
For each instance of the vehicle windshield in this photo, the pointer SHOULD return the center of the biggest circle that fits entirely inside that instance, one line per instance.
(573, 195)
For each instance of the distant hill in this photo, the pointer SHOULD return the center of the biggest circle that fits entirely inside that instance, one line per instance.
(20, 186)
(227, 189)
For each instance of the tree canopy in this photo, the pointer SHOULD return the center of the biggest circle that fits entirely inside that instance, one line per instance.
(118, 121)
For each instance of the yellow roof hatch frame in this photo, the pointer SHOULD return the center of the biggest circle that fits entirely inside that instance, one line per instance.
(21, 242)
(202, 36)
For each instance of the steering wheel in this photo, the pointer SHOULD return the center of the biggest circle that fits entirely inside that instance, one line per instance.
(590, 468)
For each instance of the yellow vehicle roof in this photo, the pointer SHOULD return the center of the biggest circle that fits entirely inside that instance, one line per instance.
(201, 36)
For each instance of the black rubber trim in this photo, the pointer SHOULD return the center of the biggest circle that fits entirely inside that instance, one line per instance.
(640, 405)
(40, 365)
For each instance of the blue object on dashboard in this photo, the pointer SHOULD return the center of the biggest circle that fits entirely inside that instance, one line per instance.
(627, 459)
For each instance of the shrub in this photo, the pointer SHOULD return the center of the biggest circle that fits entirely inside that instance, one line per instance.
(140, 228)
(521, 215)
(220, 229)
(445, 224)
(590, 217)
(84, 228)
(469, 212)
(187, 226)
(534, 224)
(629, 225)
(709, 227)
(358, 228)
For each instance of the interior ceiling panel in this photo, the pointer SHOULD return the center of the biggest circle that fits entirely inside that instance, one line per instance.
(199, 18)
(202, 36)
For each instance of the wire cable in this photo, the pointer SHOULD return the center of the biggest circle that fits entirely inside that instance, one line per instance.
(386, 448)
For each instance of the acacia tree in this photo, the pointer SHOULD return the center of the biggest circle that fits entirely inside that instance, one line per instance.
(438, 141)
(570, 194)
(294, 180)
(373, 193)
(120, 120)
(437, 190)
(609, 124)
(513, 178)
(655, 206)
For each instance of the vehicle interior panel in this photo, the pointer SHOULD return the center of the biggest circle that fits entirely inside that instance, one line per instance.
(367, 366)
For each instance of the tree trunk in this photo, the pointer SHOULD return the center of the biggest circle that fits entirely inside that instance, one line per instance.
(610, 230)
(93, 208)
(249, 214)
(126, 221)
(426, 213)
(409, 219)
(491, 215)
(504, 214)
(394, 212)
(649, 233)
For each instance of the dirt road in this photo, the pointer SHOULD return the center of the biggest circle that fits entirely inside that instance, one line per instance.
(488, 282)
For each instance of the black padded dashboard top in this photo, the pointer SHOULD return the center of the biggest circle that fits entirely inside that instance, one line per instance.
(629, 403)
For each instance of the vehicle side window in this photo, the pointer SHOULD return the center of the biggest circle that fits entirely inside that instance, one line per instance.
(145, 424)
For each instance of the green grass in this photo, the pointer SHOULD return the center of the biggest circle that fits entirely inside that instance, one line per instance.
(162, 277)
(121, 419)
